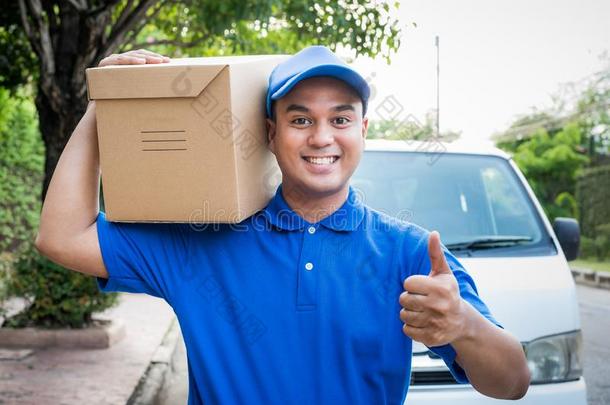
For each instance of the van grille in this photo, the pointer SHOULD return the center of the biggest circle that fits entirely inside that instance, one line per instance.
(432, 378)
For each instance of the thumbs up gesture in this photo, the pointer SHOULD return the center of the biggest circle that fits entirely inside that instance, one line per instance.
(432, 310)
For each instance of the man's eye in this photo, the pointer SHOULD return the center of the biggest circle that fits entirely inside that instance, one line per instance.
(341, 121)
(301, 121)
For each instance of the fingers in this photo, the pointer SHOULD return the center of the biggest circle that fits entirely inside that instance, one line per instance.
(414, 332)
(417, 284)
(135, 57)
(122, 60)
(151, 57)
(438, 262)
(413, 318)
(150, 53)
(422, 285)
(412, 315)
(413, 310)
(412, 302)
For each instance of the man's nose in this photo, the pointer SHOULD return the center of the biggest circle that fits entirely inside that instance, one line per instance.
(321, 136)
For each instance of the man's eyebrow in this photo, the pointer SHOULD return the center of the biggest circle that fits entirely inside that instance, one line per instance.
(297, 107)
(302, 108)
(344, 107)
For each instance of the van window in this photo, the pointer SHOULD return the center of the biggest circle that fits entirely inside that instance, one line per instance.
(467, 198)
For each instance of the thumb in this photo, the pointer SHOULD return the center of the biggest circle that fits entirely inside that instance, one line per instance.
(437, 257)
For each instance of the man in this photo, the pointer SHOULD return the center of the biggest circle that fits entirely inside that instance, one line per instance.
(303, 301)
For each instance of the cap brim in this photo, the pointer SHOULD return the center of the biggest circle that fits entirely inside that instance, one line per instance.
(340, 72)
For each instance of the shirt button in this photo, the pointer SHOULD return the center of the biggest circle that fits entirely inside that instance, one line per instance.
(312, 230)
(308, 266)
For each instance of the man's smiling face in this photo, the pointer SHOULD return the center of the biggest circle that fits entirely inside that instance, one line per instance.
(318, 136)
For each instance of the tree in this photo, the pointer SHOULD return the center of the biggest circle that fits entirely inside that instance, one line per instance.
(409, 128)
(526, 126)
(552, 164)
(552, 147)
(586, 102)
(593, 109)
(52, 42)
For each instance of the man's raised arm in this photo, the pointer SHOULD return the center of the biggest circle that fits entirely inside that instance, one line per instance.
(68, 232)
(434, 313)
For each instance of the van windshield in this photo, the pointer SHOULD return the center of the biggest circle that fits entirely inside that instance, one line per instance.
(477, 203)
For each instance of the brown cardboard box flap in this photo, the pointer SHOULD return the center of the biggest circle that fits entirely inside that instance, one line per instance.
(172, 79)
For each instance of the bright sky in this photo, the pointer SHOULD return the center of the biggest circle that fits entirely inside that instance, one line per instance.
(497, 58)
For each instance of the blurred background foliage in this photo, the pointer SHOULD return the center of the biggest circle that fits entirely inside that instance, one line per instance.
(21, 163)
(409, 128)
(564, 152)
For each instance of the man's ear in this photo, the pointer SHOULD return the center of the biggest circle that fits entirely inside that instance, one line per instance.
(365, 127)
(271, 131)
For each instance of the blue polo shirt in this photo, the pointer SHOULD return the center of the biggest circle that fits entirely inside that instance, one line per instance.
(276, 310)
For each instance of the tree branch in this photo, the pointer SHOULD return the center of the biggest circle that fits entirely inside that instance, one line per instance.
(78, 5)
(86, 57)
(118, 33)
(47, 58)
(124, 13)
(28, 29)
(135, 31)
(170, 42)
(42, 46)
(53, 22)
(103, 8)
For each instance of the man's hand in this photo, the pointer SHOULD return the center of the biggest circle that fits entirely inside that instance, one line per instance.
(433, 311)
(435, 314)
(135, 57)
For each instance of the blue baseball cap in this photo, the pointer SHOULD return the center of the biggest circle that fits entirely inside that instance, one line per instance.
(313, 61)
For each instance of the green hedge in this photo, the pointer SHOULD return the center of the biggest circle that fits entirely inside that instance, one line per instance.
(21, 170)
(596, 248)
(59, 297)
(593, 196)
(551, 163)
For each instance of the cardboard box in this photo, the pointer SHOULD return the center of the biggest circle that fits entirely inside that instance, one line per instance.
(184, 141)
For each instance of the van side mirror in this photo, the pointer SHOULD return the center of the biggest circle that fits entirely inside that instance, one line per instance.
(568, 234)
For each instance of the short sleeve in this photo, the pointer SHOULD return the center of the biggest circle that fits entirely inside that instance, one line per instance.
(140, 257)
(468, 291)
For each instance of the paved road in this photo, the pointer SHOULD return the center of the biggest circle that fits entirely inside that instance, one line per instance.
(175, 390)
(57, 375)
(595, 321)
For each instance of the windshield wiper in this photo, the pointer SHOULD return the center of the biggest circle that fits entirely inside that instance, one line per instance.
(489, 242)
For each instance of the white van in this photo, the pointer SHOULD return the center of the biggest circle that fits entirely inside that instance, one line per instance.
(490, 219)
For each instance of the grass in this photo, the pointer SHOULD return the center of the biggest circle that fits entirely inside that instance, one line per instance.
(591, 264)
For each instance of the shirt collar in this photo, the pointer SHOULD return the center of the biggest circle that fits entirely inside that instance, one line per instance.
(346, 218)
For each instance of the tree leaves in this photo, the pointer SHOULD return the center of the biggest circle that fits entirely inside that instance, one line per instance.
(551, 165)
(272, 26)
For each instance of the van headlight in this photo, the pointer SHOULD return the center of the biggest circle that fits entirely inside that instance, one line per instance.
(555, 358)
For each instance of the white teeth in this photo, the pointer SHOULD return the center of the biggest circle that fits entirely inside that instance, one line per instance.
(321, 160)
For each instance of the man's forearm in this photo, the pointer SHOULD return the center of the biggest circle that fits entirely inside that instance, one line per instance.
(72, 200)
(492, 358)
